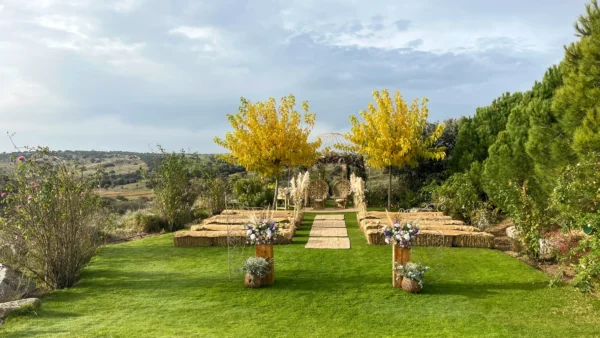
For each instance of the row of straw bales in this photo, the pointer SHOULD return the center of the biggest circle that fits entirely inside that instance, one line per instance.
(228, 228)
(436, 229)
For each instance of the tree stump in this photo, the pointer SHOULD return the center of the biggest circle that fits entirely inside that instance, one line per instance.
(266, 251)
(400, 256)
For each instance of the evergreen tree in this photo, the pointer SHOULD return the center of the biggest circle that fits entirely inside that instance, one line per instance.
(578, 100)
(477, 134)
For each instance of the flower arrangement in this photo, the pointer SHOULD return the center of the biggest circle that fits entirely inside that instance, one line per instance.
(414, 271)
(261, 231)
(400, 234)
(257, 266)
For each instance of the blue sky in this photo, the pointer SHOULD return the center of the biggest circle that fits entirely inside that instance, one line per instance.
(128, 74)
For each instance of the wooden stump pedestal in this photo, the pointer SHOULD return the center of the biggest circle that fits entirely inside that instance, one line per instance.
(266, 251)
(400, 256)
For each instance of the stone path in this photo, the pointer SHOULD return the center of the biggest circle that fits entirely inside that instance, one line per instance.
(328, 232)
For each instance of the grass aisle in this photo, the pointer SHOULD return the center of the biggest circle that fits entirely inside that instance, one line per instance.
(149, 288)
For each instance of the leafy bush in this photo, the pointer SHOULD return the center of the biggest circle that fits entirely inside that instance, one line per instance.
(144, 221)
(173, 191)
(252, 192)
(121, 207)
(214, 191)
(531, 219)
(52, 219)
(459, 196)
(587, 271)
(376, 195)
(577, 203)
(485, 216)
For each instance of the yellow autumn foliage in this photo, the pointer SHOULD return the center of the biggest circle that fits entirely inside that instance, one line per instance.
(392, 132)
(267, 139)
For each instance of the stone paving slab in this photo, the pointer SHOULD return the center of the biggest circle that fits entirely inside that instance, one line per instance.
(329, 217)
(328, 232)
(329, 224)
(328, 243)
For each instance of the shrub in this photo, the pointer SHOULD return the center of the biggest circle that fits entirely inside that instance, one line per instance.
(144, 221)
(52, 219)
(485, 216)
(173, 191)
(214, 192)
(577, 203)
(121, 207)
(587, 271)
(458, 196)
(252, 192)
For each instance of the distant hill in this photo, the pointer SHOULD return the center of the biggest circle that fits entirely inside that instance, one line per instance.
(125, 168)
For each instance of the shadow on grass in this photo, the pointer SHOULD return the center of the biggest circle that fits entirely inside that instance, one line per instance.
(32, 333)
(481, 290)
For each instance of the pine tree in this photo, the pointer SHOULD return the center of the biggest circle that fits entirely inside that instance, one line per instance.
(578, 100)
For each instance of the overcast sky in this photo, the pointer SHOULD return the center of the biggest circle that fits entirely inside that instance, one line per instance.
(126, 74)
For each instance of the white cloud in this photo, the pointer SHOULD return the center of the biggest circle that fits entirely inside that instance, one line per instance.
(201, 33)
(125, 6)
(115, 47)
(71, 25)
(21, 98)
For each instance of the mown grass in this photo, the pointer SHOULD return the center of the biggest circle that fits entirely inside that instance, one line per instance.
(149, 288)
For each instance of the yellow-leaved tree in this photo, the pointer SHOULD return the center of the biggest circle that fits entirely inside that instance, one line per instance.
(391, 134)
(267, 139)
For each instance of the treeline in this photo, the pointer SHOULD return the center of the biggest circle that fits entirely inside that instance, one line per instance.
(533, 155)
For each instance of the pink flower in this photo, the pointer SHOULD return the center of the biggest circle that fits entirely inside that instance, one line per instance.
(20, 206)
(21, 158)
(3, 195)
(29, 198)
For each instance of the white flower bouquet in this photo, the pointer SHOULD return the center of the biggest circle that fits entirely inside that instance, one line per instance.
(400, 234)
(262, 231)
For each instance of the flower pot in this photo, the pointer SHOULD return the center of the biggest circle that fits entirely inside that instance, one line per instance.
(400, 256)
(252, 281)
(410, 285)
(266, 251)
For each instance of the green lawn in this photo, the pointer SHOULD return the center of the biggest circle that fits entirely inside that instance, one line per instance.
(149, 288)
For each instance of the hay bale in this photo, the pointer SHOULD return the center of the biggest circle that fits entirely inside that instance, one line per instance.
(221, 238)
(375, 237)
(433, 238)
(474, 240)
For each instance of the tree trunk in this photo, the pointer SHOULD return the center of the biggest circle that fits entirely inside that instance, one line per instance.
(389, 206)
(275, 197)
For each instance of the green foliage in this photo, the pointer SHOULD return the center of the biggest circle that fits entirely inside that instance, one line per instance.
(214, 192)
(531, 218)
(578, 99)
(477, 134)
(576, 196)
(461, 194)
(252, 192)
(546, 143)
(587, 271)
(173, 191)
(143, 221)
(51, 219)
